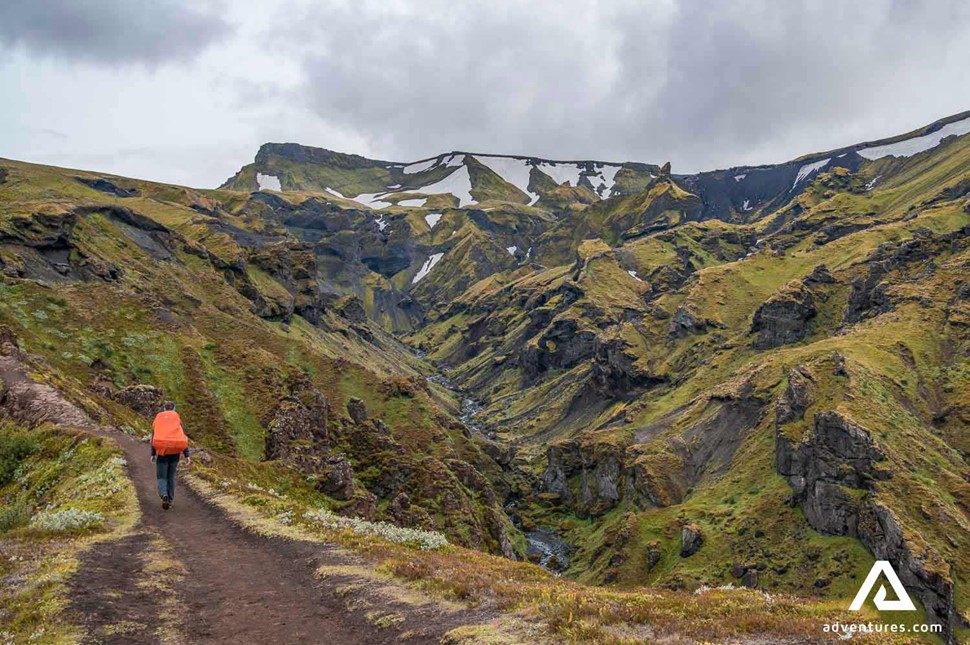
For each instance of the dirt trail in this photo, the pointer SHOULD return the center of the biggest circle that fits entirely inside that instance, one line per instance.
(237, 586)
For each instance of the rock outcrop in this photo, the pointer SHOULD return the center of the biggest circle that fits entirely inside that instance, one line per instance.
(146, 400)
(783, 318)
(298, 429)
(336, 478)
(831, 471)
(691, 540)
(357, 410)
(685, 321)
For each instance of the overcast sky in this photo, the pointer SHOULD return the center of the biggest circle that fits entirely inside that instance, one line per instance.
(185, 91)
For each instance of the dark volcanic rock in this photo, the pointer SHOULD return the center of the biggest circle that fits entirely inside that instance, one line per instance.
(363, 504)
(293, 265)
(797, 396)
(352, 309)
(146, 400)
(820, 275)
(838, 452)
(783, 318)
(403, 513)
(298, 426)
(563, 345)
(357, 410)
(103, 185)
(615, 369)
(824, 469)
(691, 540)
(336, 478)
(685, 321)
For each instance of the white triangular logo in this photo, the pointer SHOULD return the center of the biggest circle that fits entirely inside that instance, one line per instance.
(883, 567)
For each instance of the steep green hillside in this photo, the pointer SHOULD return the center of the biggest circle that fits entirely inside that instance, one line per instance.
(756, 376)
(647, 387)
(201, 297)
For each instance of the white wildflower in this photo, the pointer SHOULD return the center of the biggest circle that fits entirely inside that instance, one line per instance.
(424, 540)
(67, 520)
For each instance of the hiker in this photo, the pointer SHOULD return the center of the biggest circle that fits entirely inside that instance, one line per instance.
(168, 444)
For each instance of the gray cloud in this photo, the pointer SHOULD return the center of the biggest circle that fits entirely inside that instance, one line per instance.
(111, 31)
(705, 84)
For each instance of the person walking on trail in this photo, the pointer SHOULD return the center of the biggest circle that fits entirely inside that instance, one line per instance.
(168, 444)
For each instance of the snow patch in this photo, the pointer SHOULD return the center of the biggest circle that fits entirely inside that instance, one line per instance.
(419, 166)
(871, 184)
(458, 183)
(371, 200)
(514, 171)
(454, 161)
(913, 146)
(808, 169)
(512, 250)
(334, 192)
(268, 182)
(432, 219)
(635, 276)
(426, 269)
(395, 186)
(562, 172)
(413, 202)
(608, 174)
(740, 177)
(381, 224)
(745, 206)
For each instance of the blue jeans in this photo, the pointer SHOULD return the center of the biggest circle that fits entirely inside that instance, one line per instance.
(165, 473)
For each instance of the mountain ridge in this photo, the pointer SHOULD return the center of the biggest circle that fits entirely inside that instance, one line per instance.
(918, 131)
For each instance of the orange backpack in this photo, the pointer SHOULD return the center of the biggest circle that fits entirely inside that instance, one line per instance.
(168, 437)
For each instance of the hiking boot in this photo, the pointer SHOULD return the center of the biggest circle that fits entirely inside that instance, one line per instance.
(166, 503)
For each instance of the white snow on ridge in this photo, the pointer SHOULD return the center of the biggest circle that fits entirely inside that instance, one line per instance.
(454, 160)
(740, 177)
(913, 146)
(419, 166)
(514, 171)
(562, 172)
(334, 192)
(458, 183)
(268, 182)
(426, 269)
(608, 173)
(432, 219)
(808, 169)
(370, 200)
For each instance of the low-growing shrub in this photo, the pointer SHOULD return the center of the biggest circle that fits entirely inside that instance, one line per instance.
(71, 519)
(424, 540)
(15, 447)
(13, 516)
